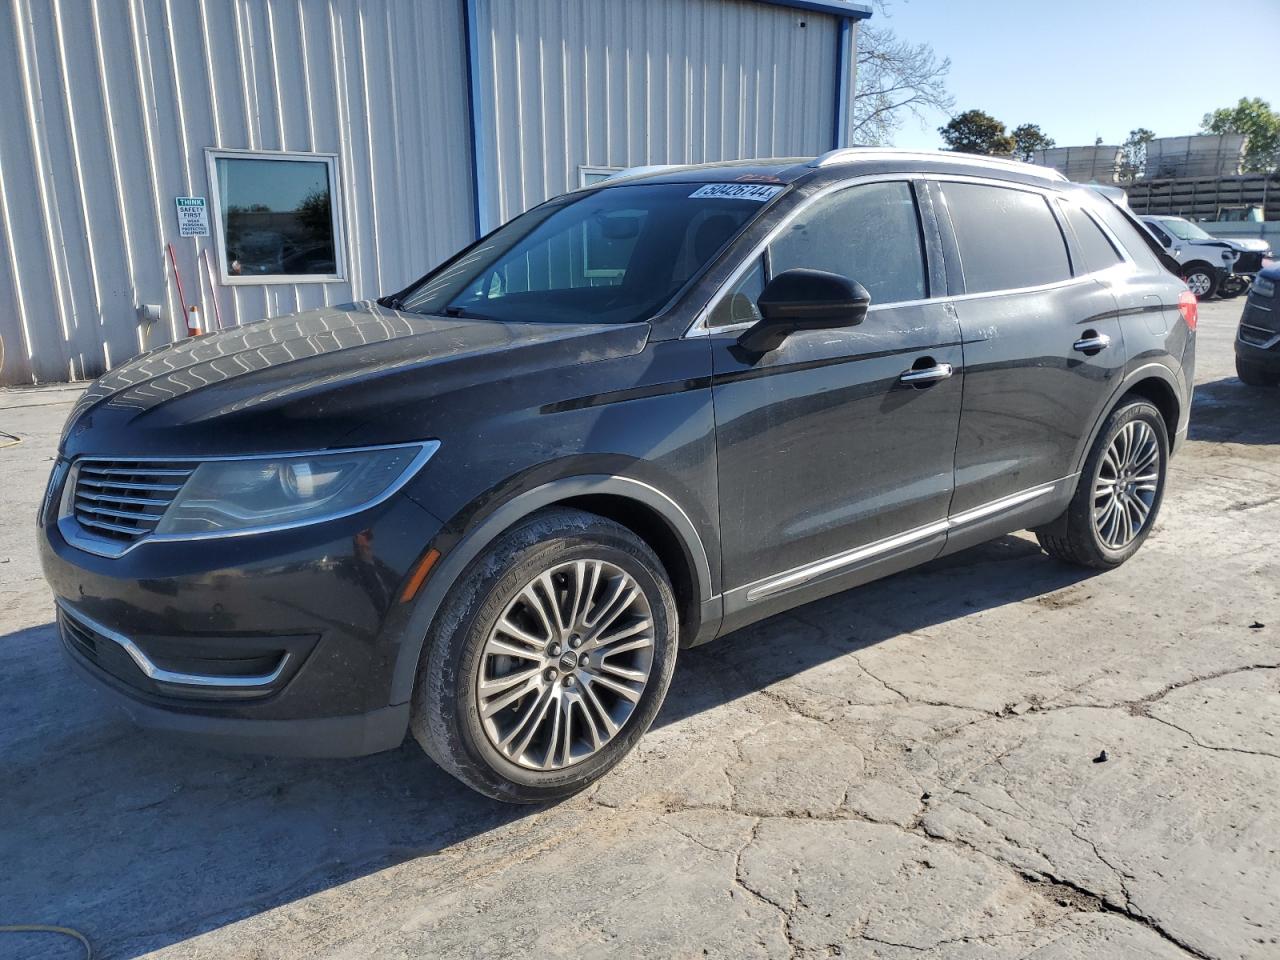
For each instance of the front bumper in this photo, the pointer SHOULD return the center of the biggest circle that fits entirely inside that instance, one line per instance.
(279, 643)
(348, 736)
(1258, 337)
(1266, 357)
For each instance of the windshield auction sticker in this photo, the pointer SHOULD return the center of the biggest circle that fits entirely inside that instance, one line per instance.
(736, 191)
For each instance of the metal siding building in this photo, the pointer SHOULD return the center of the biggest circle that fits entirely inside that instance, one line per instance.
(109, 108)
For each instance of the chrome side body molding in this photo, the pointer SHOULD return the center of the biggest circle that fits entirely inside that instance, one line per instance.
(799, 576)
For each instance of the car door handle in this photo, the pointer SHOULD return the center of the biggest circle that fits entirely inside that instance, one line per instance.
(1092, 344)
(927, 375)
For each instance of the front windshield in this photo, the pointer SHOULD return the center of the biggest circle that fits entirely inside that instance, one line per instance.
(1185, 230)
(615, 255)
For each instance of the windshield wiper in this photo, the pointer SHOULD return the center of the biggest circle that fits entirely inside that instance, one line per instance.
(462, 313)
(392, 301)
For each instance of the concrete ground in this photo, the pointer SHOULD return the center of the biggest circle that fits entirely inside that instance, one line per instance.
(908, 770)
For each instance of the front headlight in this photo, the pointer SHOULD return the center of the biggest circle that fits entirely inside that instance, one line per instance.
(262, 493)
(1264, 288)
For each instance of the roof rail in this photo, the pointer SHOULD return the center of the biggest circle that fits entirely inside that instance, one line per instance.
(645, 169)
(850, 154)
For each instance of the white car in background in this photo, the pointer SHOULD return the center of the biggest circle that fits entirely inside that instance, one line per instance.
(1210, 265)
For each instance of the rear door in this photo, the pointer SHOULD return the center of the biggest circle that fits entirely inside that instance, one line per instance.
(825, 453)
(1043, 350)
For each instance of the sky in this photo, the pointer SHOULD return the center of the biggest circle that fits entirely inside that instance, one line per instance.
(1089, 69)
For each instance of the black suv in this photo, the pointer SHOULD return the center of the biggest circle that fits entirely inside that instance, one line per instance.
(488, 509)
(1258, 337)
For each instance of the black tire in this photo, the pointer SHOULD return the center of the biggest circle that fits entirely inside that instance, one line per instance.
(1074, 537)
(446, 717)
(1256, 375)
(1203, 277)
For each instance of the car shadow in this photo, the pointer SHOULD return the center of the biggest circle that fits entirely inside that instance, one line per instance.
(142, 842)
(1227, 411)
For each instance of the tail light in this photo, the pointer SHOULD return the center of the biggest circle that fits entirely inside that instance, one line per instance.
(1189, 308)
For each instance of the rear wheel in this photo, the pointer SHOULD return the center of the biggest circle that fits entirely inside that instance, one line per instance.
(1119, 492)
(548, 660)
(1255, 375)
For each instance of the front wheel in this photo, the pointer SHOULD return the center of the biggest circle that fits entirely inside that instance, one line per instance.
(548, 660)
(1118, 494)
(1201, 281)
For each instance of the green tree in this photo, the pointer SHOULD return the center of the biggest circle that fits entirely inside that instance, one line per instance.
(975, 131)
(1133, 154)
(1027, 139)
(1255, 119)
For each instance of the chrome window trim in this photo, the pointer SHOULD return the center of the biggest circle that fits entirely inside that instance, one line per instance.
(74, 534)
(798, 576)
(159, 674)
(699, 326)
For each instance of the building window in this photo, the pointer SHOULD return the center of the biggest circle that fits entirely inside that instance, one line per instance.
(587, 176)
(277, 216)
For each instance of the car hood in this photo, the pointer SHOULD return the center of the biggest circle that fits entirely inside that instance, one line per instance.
(1249, 245)
(1244, 245)
(306, 380)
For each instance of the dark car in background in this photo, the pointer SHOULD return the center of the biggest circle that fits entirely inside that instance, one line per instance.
(1258, 337)
(490, 508)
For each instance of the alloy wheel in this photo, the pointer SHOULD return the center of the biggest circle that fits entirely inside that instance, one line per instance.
(1199, 284)
(1128, 481)
(565, 665)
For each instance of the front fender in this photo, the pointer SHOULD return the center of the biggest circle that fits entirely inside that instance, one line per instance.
(414, 631)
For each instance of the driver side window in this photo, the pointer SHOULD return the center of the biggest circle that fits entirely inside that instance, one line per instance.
(868, 233)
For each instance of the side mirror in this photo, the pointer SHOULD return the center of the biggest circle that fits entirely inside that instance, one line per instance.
(803, 299)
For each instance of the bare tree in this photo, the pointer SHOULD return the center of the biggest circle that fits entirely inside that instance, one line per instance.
(895, 78)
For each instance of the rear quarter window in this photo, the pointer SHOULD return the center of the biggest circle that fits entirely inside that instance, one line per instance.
(1008, 238)
(1095, 249)
(1126, 231)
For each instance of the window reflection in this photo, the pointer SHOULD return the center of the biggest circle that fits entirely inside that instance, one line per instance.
(277, 216)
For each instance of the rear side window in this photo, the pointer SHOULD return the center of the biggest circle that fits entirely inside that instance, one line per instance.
(1125, 228)
(1008, 238)
(869, 233)
(1095, 249)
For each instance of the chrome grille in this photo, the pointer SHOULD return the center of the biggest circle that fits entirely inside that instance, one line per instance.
(123, 500)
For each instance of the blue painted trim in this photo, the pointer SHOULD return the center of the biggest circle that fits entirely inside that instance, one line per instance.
(837, 8)
(844, 70)
(475, 115)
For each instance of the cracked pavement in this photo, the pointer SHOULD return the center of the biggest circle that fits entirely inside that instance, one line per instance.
(907, 770)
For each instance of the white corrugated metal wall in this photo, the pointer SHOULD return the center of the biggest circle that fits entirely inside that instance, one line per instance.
(621, 83)
(107, 106)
